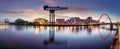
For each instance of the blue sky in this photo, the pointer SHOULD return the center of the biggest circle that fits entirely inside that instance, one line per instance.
(31, 9)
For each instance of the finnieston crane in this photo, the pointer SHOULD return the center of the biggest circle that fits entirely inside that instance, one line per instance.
(52, 10)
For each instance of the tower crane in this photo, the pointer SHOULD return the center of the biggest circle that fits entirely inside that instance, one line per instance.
(52, 10)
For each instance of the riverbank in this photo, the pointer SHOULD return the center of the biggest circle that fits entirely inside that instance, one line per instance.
(116, 40)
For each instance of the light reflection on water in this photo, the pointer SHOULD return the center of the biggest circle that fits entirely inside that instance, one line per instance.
(56, 37)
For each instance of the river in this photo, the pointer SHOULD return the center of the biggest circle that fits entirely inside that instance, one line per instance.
(55, 37)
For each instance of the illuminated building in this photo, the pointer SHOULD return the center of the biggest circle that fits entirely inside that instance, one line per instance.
(40, 21)
(75, 20)
(89, 20)
(60, 21)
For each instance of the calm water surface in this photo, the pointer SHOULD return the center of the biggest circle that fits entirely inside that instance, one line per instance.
(55, 37)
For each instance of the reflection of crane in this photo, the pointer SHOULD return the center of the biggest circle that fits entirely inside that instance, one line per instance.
(51, 39)
(52, 12)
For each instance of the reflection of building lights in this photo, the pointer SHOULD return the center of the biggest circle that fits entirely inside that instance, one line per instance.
(4, 27)
(36, 31)
(39, 28)
(83, 27)
(59, 28)
(74, 28)
(71, 28)
(56, 27)
(90, 27)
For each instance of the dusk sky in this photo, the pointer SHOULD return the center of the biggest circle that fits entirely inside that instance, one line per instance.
(32, 9)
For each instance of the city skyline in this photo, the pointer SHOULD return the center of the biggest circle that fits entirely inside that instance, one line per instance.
(32, 9)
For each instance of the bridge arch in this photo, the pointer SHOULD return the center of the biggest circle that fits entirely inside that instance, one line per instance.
(104, 14)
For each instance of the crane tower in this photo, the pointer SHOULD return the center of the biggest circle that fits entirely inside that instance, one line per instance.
(52, 10)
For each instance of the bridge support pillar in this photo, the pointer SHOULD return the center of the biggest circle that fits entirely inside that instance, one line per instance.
(111, 26)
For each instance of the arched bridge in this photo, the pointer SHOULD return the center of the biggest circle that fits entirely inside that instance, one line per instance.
(104, 14)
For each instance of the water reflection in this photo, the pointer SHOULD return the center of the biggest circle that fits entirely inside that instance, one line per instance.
(58, 37)
(74, 28)
(106, 34)
(40, 28)
(81, 28)
(63, 28)
(21, 28)
(4, 27)
(51, 39)
(89, 29)
(60, 28)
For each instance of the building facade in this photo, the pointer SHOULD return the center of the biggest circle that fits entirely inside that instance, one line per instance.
(77, 20)
(40, 21)
(60, 21)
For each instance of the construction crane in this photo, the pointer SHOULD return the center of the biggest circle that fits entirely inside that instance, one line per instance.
(52, 10)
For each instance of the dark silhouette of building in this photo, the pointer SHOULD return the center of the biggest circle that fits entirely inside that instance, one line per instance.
(20, 22)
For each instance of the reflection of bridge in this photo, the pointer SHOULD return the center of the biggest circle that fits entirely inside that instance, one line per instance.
(108, 34)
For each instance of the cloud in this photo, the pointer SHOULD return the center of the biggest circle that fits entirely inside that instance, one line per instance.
(51, 2)
(29, 12)
(77, 10)
(38, 12)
